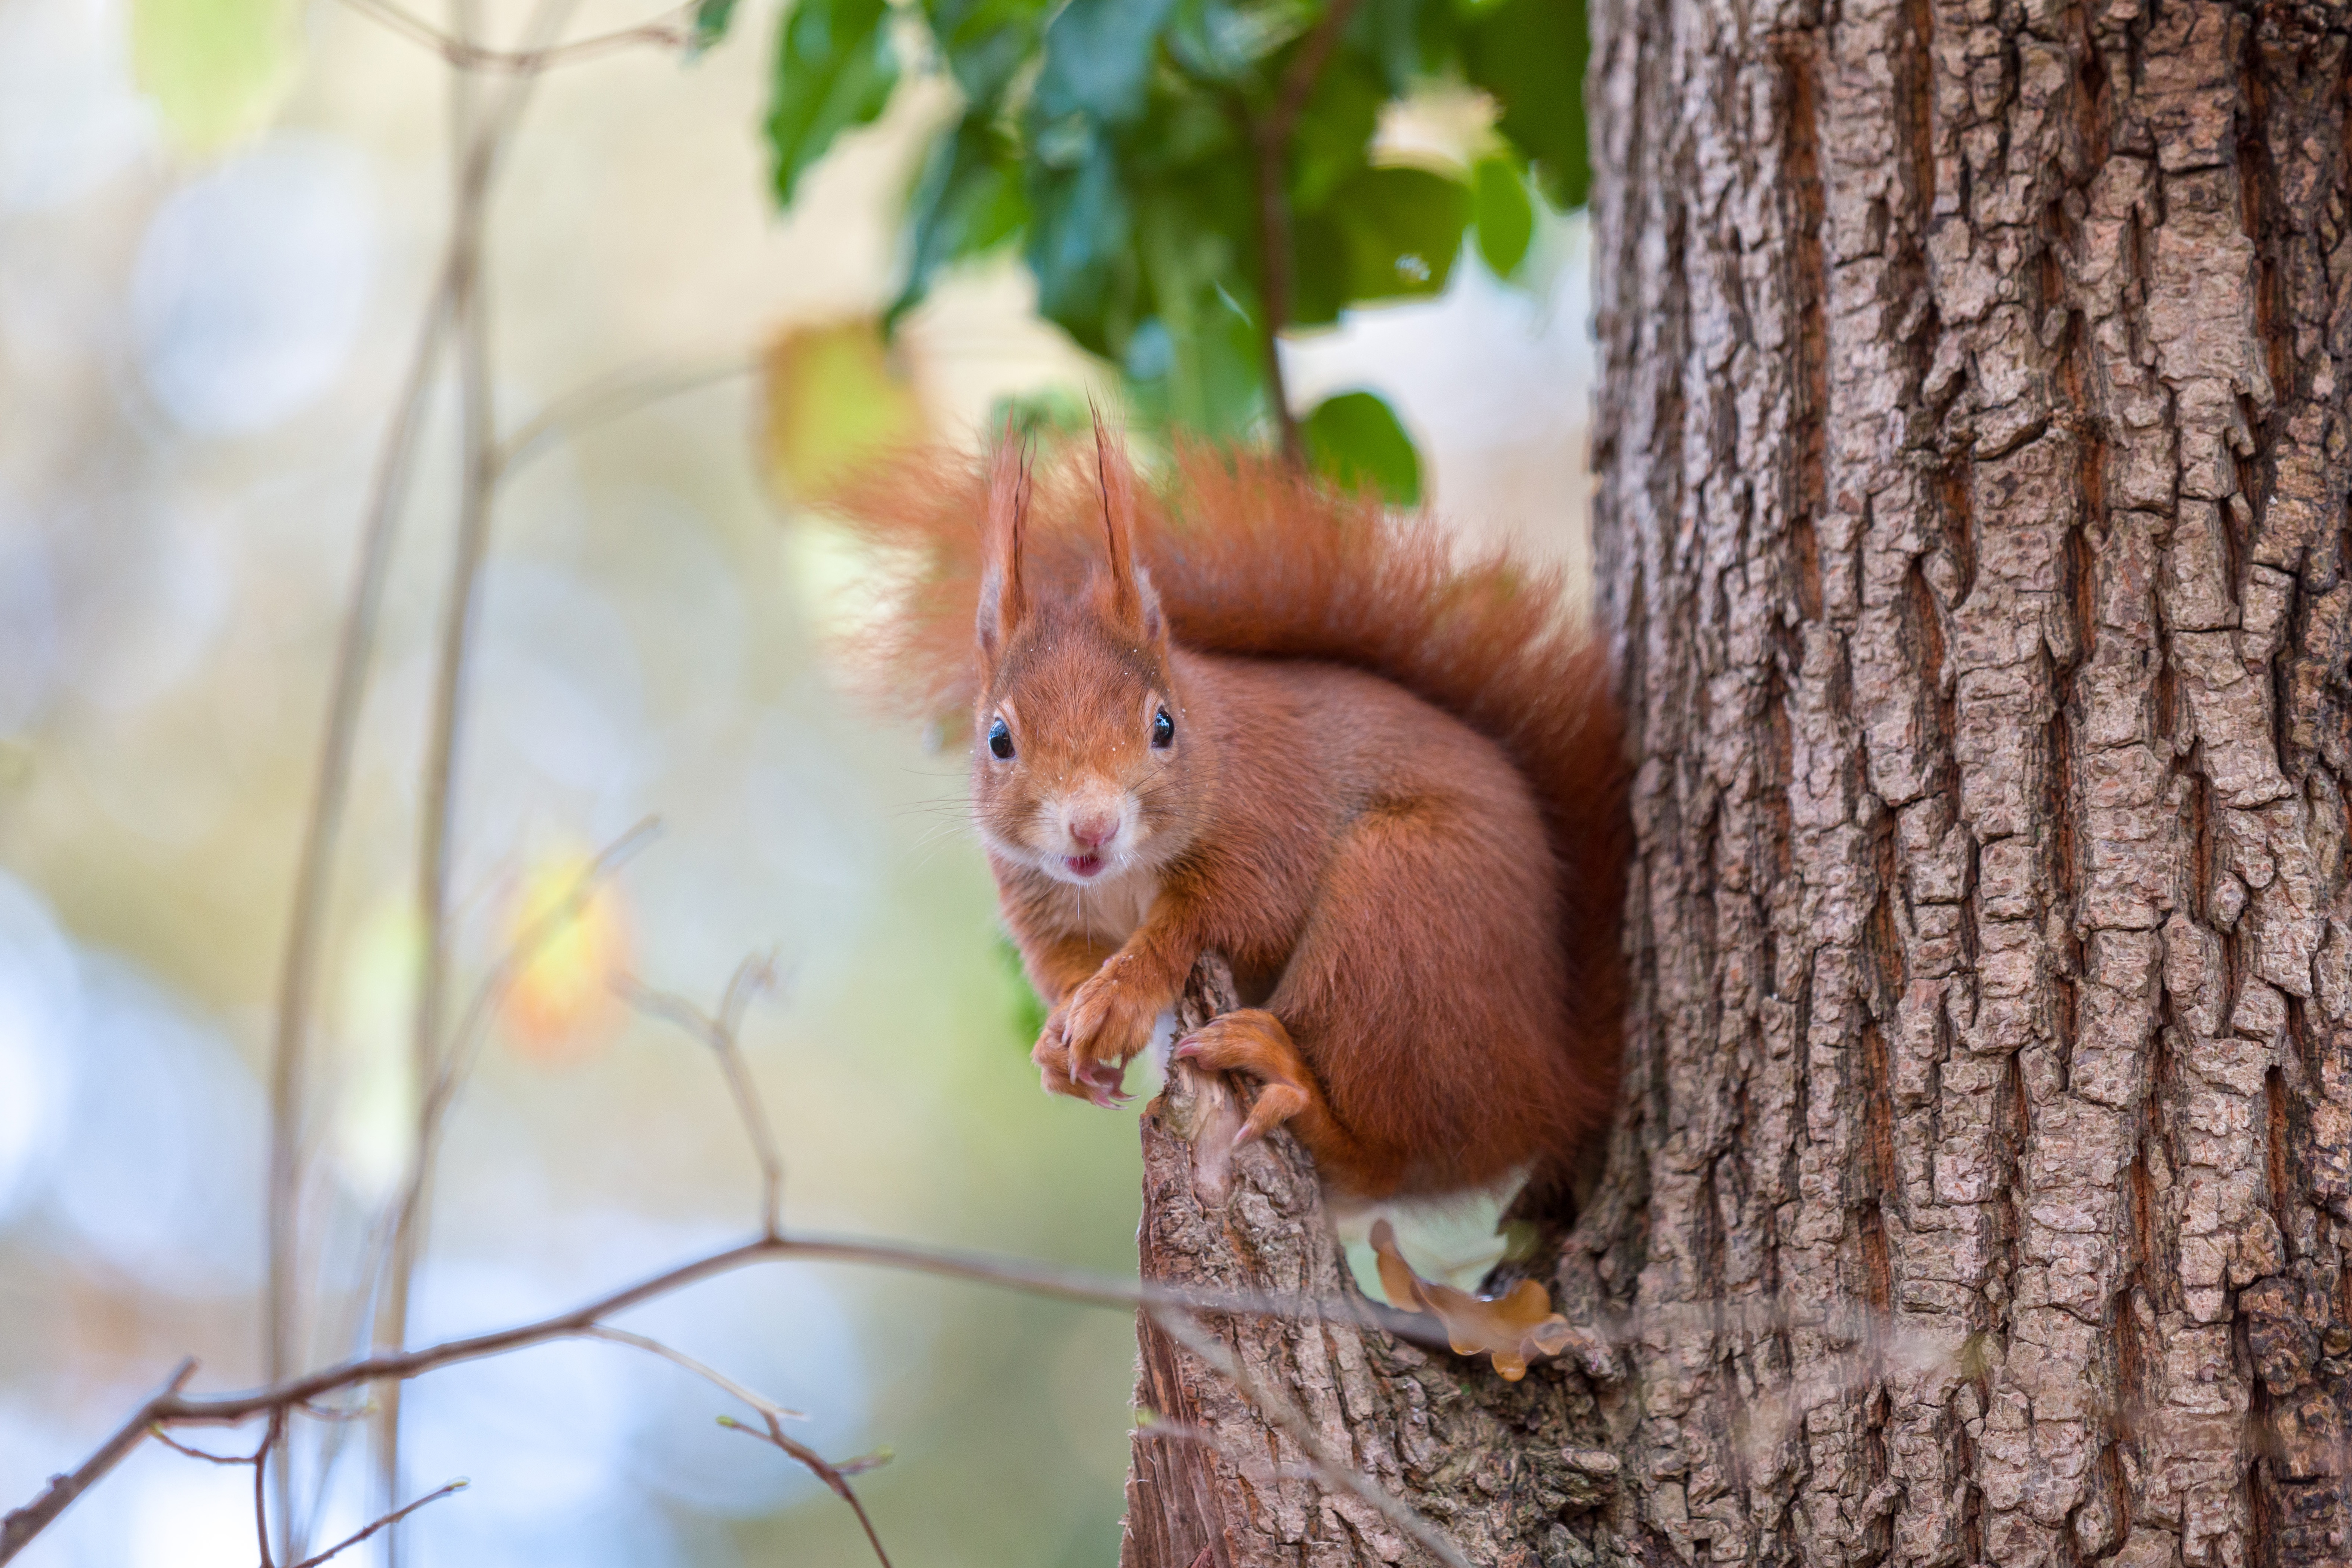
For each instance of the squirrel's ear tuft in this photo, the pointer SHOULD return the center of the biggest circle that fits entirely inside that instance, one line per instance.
(1133, 605)
(1002, 602)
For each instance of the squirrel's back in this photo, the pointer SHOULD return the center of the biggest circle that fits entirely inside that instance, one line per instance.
(1252, 559)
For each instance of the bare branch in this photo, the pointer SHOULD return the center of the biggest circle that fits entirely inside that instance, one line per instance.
(18, 1529)
(1084, 1287)
(395, 1517)
(479, 136)
(1332, 1470)
(314, 872)
(752, 977)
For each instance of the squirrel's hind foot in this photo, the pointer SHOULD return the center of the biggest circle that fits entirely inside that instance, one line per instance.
(1253, 1042)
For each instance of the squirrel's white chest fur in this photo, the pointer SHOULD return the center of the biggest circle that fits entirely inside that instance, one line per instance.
(1109, 911)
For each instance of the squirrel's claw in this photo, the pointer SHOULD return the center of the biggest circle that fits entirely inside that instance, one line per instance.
(1106, 1022)
(1105, 1082)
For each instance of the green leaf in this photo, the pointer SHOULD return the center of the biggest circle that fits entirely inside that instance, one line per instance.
(710, 20)
(216, 69)
(1081, 230)
(1356, 440)
(984, 42)
(1530, 55)
(835, 70)
(1507, 219)
(1385, 234)
(968, 201)
(1226, 43)
(1097, 56)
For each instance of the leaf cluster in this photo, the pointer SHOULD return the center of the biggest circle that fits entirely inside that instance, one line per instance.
(1186, 178)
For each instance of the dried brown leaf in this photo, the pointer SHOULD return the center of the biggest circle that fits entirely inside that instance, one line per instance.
(1512, 1328)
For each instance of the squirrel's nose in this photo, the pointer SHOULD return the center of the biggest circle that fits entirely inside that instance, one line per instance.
(1093, 828)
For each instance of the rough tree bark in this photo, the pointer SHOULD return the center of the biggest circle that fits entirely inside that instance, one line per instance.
(1972, 455)
(1971, 529)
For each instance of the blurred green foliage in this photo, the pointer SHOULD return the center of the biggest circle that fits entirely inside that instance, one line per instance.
(216, 68)
(1156, 159)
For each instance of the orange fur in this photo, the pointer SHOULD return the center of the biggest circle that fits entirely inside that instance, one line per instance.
(1390, 791)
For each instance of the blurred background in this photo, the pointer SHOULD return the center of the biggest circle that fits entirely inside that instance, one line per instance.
(211, 281)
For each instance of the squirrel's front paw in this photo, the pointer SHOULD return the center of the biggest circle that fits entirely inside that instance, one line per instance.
(1051, 1055)
(1059, 1075)
(1109, 1020)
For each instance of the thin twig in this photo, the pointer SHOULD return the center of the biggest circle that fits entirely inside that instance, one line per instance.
(672, 28)
(771, 1416)
(395, 1517)
(206, 1455)
(328, 1413)
(1334, 1471)
(752, 977)
(607, 398)
(712, 1375)
(18, 1529)
(830, 1474)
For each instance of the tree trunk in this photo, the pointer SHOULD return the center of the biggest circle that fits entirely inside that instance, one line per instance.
(1970, 523)
(1516, 1474)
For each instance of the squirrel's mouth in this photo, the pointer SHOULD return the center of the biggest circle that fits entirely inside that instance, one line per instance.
(1082, 865)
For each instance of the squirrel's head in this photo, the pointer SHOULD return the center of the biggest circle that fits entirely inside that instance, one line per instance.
(1079, 740)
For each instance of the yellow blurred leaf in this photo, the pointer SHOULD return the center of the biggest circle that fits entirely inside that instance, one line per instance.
(836, 394)
(1513, 1329)
(570, 939)
(216, 69)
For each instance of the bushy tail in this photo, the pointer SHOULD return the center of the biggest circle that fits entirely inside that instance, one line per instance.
(1251, 558)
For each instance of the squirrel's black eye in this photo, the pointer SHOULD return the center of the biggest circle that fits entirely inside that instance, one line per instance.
(1163, 730)
(999, 741)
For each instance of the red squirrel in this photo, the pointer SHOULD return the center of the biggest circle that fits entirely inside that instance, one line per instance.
(1240, 711)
